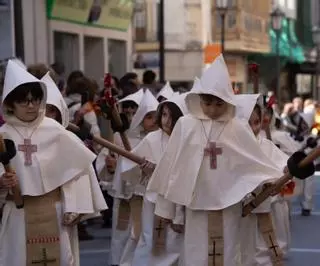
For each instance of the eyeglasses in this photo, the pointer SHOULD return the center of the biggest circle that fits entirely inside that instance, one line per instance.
(26, 102)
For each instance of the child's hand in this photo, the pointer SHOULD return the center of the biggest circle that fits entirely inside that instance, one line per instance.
(71, 219)
(111, 163)
(147, 168)
(178, 228)
(8, 180)
(286, 170)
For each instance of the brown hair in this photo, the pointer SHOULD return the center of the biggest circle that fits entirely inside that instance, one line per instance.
(175, 113)
(39, 70)
(83, 86)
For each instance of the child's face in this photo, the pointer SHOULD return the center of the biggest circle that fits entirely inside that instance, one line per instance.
(28, 109)
(213, 108)
(255, 123)
(129, 111)
(149, 122)
(52, 112)
(166, 120)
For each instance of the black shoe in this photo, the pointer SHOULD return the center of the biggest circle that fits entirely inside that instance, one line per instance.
(305, 212)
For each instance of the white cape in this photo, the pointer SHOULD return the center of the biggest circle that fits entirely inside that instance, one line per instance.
(151, 148)
(241, 168)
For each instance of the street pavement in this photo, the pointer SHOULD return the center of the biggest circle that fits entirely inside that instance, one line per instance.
(305, 249)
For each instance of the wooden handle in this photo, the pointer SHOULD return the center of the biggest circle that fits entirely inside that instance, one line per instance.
(118, 121)
(17, 196)
(261, 197)
(277, 185)
(115, 148)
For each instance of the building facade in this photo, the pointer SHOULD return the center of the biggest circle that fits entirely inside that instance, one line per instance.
(187, 31)
(246, 32)
(91, 35)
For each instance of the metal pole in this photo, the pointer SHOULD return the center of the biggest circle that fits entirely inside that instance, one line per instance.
(161, 43)
(278, 69)
(317, 87)
(223, 18)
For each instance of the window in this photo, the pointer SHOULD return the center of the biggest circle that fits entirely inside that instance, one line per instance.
(231, 19)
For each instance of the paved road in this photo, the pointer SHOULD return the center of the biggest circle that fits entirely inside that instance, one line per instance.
(305, 249)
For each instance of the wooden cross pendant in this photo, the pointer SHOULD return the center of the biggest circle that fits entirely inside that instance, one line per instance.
(212, 150)
(28, 149)
(45, 260)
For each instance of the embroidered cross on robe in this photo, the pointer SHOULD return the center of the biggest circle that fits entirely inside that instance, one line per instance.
(212, 150)
(159, 236)
(44, 261)
(27, 148)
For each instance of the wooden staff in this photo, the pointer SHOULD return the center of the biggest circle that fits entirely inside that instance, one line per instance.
(112, 147)
(17, 196)
(277, 185)
(115, 112)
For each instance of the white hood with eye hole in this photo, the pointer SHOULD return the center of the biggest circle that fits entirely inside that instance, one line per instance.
(178, 100)
(55, 98)
(148, 104)
(134, 97)
(166, 92)
(14, 77)
(245, 105)
(214, 81)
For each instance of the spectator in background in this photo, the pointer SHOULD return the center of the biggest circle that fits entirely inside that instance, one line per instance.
(60, 71)
(39, 70)
(129, 84)
(149, 82)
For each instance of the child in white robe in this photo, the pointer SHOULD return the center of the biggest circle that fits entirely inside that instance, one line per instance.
(211, 163)
(109, 175)
(57, 109)
(46, 177)
(151, 148)
(143, 122)
(252, 111)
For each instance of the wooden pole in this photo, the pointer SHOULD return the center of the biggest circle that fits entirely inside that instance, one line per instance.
(277, 185)
(112, 147)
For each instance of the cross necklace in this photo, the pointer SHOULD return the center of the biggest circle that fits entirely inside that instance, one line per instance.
(27, 148)
(212, 150)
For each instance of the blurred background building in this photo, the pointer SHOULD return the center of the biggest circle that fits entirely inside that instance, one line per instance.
(97, 36)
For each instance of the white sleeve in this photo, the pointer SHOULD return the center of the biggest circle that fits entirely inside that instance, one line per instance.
(165, 208)
(180, 215)
(91, 118)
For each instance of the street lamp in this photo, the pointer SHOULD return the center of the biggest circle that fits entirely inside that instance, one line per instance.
(161, 39)
(222, 8)
(277, 17)
(316, 40)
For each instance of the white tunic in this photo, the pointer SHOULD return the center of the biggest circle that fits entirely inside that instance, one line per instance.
(152, 148)
(80, 190)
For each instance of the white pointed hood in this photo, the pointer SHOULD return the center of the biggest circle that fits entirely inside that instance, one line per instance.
(148, 104)
(14, 77)
(166, 92)
(245, 105)
(134, 97)
(178, 100)
(55, 98)
(19, 62)
(214, 81)
(308, 115)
